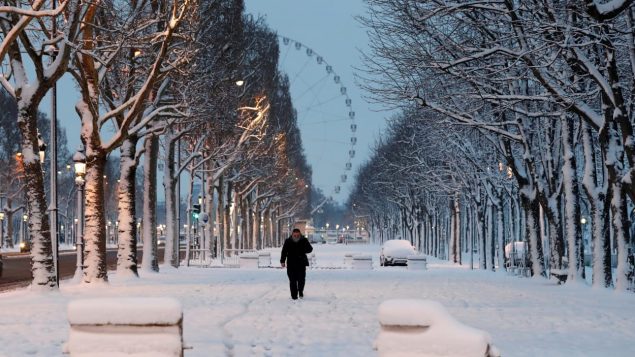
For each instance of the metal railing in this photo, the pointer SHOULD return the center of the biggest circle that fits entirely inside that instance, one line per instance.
(199, 256)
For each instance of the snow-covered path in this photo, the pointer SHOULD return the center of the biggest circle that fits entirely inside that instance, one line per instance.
(249, 312)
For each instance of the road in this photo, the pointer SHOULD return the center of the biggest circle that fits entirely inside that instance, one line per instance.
(17, 267)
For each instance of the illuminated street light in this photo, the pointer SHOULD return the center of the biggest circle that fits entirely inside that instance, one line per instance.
(79, 160)
(41, 147)
(240, 82)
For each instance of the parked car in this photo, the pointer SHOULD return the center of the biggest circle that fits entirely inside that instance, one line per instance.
(395, 251)
(161, 241)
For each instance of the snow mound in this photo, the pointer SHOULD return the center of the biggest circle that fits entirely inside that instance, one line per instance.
(124, 311)
(412, 327)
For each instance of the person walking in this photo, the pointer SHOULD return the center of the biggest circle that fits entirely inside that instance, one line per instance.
(294, 251)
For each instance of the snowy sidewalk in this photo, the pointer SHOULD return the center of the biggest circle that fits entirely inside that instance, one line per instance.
(248, 312)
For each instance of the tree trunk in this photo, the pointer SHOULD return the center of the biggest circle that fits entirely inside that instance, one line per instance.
(220, 233)
(256, 226)
(469, 227)
(620, 219)
(531, 206)
(456, 249)
(234, 218)
(489, 236)
(170, 254)
(249, 212)
(267, 229)
(42, 267)
(127, 246)
(227, 216)
(500, 238)
(8, 216)
(209, 209)
(613, 152)
(244, 224)
(150, 261)
(575, 244)
(598, 196)
(95, 269)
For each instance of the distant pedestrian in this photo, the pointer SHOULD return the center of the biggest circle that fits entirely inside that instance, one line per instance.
(294, 253)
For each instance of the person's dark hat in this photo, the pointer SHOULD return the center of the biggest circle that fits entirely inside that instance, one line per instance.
(296, 230)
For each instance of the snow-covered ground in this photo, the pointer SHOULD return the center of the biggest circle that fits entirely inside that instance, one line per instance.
(248, 312)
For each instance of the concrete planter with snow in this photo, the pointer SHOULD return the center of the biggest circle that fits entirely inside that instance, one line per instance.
(264, 259)
(348, 259)
(362, 262)
(411, 327)
(125, 327)
(417, 262)
(249, 260)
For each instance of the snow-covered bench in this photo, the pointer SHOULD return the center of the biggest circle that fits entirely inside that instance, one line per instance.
(264, 259)
(125, 327)
(411, 327)
(249, 260)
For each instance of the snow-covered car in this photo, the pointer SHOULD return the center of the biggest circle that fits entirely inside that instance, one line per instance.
(396, 251)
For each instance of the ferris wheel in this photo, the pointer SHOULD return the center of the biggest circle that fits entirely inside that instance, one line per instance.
(325, 115)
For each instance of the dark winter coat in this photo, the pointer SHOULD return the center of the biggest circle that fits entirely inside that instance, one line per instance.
(294, 253)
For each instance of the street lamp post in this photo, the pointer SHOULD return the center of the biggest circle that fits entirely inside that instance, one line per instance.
(139, 229)
(23, 230)
(80, 171)
(1, 226)
(109, 234)
(75, 232)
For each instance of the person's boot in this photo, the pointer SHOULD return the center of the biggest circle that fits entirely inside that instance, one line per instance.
(301, 294)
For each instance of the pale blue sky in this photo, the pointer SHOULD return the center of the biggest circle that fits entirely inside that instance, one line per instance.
(329, 28)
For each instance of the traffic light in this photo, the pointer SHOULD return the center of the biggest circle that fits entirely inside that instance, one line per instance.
(196, 210)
